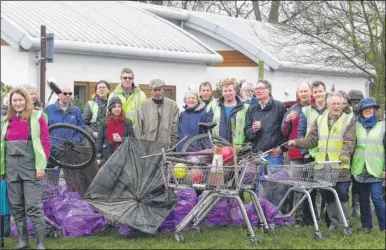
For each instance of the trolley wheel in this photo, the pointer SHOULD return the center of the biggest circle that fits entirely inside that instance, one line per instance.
(197, 228)
(253, 241)
(71, 153)
(318, 236)
(268, 231)
(347, 231)
(179, 238)
(56, 235)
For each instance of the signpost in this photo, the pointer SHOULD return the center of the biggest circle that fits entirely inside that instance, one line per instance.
(46, 56)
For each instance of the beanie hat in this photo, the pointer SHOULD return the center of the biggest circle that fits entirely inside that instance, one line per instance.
(112, 102)
(355, 95)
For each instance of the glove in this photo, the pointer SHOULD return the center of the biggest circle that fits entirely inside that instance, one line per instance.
(291, 144)
(344, 159)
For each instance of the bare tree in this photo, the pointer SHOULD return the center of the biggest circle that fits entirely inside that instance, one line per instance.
(349, 35)
(274, 12)
(256, 10)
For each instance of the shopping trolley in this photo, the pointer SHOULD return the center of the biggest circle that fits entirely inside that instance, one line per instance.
(218, 183)
(304, 179)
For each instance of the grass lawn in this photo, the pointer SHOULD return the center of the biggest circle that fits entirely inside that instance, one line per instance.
(225, 237)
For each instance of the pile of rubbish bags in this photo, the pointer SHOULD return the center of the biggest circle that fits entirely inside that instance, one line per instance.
(226, 212)
(76, 218)
(73, 216)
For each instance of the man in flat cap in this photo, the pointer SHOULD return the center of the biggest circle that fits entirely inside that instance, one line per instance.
(157, 118)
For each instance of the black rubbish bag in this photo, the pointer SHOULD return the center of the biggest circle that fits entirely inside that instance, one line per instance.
(129, 191)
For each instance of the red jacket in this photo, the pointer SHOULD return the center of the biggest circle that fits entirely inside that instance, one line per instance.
(18, 130)
(290, 129)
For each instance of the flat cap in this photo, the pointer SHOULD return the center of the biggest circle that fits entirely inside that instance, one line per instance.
(156, 83)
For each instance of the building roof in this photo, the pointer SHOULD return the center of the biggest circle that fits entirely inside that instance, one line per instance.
(100, 27)
(250, 37)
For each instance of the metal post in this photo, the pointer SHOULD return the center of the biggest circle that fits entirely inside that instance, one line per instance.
(43, 64)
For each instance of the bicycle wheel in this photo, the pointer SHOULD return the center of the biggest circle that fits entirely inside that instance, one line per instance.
(202, 142)
(71, 146)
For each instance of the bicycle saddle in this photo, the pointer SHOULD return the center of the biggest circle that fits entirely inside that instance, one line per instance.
(207, 125)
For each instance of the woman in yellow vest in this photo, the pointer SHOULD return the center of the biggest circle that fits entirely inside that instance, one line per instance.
(368, 163)
(95, 109)
(25, 148)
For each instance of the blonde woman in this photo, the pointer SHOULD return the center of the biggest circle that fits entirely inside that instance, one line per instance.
(25, 148)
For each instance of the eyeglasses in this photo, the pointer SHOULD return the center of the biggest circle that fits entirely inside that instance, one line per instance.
(260, 89)
(248, 90)
(101, 87)
(67, 93)
(127, 78)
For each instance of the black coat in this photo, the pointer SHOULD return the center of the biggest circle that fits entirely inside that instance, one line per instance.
(270, 135)
(105, 148)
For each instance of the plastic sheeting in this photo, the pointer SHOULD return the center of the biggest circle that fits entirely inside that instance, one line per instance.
(129, 191)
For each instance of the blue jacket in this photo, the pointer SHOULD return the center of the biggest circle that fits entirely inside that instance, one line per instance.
(73, 115)
(189, 119)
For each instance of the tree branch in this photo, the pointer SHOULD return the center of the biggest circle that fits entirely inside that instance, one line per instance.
(226, 8)
(256, 10)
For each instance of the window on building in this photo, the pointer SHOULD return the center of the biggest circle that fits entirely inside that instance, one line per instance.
(85, 90)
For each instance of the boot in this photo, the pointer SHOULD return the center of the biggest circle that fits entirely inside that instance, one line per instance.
(1, 242)
(346, 211)
(40, 234)
(333, 215)
(356, 212)
(23, 235)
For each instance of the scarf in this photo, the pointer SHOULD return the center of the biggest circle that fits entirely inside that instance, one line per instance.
(368, 122)
(158, 101)
(115, 125)
(101, 101)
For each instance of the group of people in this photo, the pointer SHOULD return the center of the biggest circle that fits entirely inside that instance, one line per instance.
(319, 127)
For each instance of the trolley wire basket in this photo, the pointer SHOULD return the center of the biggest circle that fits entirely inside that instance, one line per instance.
(201, 176)
(50, 183)
(315, 175)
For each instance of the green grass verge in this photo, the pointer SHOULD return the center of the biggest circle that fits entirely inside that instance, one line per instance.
(226, 237)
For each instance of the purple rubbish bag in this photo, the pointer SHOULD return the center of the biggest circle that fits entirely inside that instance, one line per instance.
(188, 194)
(80, 222)
(181, 209)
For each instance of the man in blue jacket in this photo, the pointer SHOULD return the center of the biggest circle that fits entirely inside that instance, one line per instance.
(64, 111)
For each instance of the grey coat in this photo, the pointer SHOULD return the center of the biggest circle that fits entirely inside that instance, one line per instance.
(158, 122)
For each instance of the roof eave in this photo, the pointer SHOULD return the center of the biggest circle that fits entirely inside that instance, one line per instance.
(74, 47)
(231, 39)
(291, 66)
(161, 11)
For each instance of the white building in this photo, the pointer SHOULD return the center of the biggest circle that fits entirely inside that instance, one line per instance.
(95, 40)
